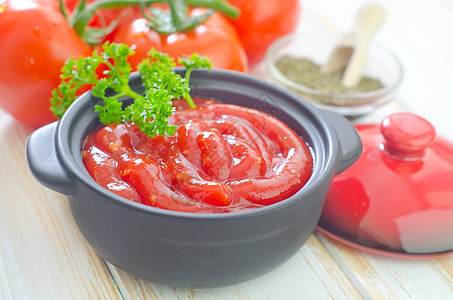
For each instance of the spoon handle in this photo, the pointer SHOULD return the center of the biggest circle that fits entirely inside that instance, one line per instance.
(368, 20)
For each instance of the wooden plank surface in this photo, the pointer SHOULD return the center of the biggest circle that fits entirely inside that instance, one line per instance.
(42, 254)
(386, 277)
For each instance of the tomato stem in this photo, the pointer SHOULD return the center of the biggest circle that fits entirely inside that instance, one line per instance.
(179, 20)
(217, 5)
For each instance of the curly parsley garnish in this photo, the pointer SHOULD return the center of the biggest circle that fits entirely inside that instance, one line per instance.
(151, 110)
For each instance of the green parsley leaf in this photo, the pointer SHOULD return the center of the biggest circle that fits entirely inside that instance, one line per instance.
(151, 110)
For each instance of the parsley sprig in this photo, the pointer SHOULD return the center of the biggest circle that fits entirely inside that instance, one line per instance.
(151, 110)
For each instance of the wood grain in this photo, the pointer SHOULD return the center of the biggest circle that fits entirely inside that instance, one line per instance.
(42, 254)
(384, 277)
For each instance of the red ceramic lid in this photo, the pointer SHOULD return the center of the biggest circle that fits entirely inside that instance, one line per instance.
(397, 199)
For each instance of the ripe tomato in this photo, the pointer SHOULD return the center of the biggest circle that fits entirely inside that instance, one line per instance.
(263, 21)
(216, 39)
(35, 42)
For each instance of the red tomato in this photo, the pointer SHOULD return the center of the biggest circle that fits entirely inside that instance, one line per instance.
(216, 39)
(263, 21)
(35, 42)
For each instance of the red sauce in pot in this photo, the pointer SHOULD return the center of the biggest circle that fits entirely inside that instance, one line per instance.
(222, 158)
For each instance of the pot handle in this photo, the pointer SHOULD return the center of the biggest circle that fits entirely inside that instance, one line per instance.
(44, 162)
(349, 140)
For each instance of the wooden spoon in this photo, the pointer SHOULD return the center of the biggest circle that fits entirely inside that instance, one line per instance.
(352, 50)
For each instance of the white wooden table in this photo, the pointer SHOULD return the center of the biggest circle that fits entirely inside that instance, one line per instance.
(43, 255)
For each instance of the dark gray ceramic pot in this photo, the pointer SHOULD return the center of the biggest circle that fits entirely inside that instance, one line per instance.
(196, 250)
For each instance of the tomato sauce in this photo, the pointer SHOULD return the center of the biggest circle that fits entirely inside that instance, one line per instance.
(222, 158)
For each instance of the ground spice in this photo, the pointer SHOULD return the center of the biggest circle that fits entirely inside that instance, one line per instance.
(307, 73)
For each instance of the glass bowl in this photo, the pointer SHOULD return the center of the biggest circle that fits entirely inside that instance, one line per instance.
(382, 65)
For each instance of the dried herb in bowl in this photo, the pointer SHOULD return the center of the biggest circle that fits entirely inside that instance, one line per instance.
(305, 72)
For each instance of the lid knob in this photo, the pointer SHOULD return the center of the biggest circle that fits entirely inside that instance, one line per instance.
(407, 134)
